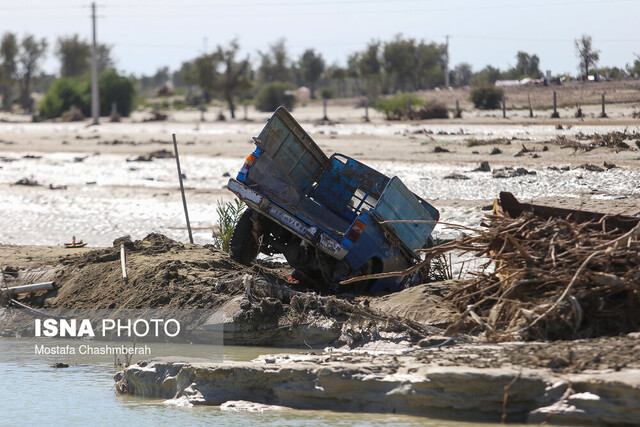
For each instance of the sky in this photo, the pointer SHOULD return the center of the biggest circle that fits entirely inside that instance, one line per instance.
(148, 34)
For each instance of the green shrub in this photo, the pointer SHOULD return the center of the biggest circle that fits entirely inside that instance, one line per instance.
(398, 105)
(228, 215)
(118, 89)
(66, 92)
(62, 94)
(486, 97)
(273, 95)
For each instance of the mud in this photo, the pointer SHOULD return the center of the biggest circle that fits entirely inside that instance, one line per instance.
(256, 305)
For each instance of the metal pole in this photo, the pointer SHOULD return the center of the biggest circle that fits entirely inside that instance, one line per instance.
(504, 108)
(95, 95)
(604, 114)
(27, 288)
(184, 200)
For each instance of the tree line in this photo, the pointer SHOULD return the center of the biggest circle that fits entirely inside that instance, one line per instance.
(382, 67)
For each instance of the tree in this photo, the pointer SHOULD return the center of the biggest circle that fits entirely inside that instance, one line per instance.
(8, 67)
(429, 65)
(526, 66)
(634, 69)
(32, 51)
(274, 64)
(234, 77)
(399, 63)
(367, 66)
(74, 55)
(338, 74)
(220, 73)
(588, 56)
(461, 74)
(488, 75)
(311, 69)
(115, 89)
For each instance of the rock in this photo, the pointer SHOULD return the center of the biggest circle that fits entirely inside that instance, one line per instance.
(456, 176)
(420, 383)
(60, 365)
(511, 173)
(609, 165)
(246, 406)
(495, 150)
(439, 149)
(226, 174)
(123, 240)
(591, 167)
(434, 340)
(484, 167)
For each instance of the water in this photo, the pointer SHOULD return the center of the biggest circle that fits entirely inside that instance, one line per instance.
(32, 392)
(138, 198)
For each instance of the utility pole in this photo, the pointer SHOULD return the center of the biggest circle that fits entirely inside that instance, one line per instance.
(446, 62)
(95, 95)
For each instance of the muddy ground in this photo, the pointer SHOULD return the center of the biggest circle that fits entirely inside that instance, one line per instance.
(163, 273)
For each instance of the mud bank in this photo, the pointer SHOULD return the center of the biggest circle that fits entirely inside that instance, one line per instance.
(466, 382)
(250, 305)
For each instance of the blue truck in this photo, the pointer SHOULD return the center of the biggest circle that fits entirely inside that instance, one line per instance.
(332, 218)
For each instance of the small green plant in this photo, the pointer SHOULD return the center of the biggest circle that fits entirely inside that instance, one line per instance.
(399, 104)
(228, 215)
(486, 97)
(273, 95)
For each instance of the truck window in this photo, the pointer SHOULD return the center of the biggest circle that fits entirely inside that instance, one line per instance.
(361, 200)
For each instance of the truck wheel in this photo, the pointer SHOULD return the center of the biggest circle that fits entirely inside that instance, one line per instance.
(243, 247)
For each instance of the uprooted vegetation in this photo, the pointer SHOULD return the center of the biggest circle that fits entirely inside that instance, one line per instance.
(615, 140)
(550, 279)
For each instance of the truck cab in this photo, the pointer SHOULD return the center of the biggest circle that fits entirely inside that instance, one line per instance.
(332, 218)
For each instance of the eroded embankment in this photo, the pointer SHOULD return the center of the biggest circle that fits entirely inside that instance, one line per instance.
(508, 382)
(253, 306)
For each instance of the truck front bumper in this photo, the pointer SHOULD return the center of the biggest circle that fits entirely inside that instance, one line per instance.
(309, 233)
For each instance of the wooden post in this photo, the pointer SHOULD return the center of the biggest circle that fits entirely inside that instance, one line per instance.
(184, 200)
(366, 110)
(504, 107)
(530, 107)
(409, 104)
(324, 109)
(458, 112)
(123, 263)
(603, 114)
(555, 114)
(246, 113)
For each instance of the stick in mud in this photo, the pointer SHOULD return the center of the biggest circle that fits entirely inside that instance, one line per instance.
(184, 200)
(123, 263)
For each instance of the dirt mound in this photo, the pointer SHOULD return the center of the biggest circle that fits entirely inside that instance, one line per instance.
(257, 305)
(161, 273)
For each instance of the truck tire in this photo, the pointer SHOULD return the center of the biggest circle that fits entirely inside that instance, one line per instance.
(243, 247)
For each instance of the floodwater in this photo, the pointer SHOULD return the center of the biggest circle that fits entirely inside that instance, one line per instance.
(35, 393)
(107, 197)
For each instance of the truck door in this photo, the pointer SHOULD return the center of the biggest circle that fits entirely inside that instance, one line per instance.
(397, 202)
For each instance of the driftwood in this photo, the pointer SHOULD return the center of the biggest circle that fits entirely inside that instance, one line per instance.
(551, 279)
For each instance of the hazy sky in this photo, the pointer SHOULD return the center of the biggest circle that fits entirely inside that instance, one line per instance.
(146, 34)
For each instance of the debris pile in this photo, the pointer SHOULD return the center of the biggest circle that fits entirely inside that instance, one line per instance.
(551, 279)
(615, 140)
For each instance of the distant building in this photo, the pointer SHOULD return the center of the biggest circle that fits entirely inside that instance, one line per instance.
(302, 93)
